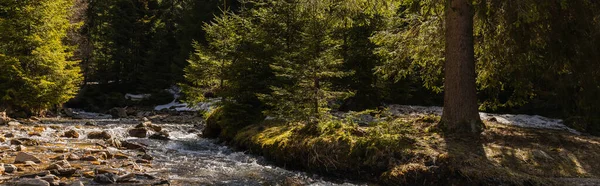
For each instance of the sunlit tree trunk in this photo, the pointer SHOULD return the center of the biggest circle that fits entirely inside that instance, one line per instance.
(460, 113)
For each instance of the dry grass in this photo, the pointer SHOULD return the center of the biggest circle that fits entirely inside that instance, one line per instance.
(411, 151)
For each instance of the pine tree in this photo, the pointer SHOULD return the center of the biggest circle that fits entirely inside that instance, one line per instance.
(39, 74)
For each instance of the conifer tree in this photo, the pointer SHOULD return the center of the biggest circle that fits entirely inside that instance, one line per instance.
(37, 70)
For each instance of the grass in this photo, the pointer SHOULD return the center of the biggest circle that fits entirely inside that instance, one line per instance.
(411, 151)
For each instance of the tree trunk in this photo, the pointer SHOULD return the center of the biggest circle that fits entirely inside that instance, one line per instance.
(460, 113)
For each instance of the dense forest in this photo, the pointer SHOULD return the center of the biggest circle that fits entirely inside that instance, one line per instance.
(303, 62)
(298, 58)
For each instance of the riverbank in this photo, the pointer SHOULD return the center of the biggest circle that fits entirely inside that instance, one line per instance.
(408, 150)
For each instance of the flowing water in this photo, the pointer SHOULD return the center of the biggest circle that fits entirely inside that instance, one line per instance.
(186, 159)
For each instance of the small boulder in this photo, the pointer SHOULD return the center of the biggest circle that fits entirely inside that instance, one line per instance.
(107, 178)
(34, 134)
(99, 135)
(2, 139)
(77, 183)
(114, 142)
(53, 167)
(60, 157)
(71, 134)
(32, 182)
(59, 165)
(2, 169)
(14, 124)
(25, 141)
(64, 172)
(138, 132)
(20, 148)
(89, 158)
(10, 168)
(104, 171)
(22, 157)
(30, 163)
(132, 145)
(118, 112)
(9, 135)
(52, 179)
(160, 136)
(73, 157)
(120, 156)
(129, 177)
(91, 123)
(15, 142)
(88, 174)
(143, 161)
(148, 124)
(102, 155)
(147, 157)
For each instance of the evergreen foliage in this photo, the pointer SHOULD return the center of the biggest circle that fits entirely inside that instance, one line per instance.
(37, 72)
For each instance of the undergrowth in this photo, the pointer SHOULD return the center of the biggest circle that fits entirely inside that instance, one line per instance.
(411, 151)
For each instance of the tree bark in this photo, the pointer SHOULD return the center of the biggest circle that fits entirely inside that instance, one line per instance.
(460, 113)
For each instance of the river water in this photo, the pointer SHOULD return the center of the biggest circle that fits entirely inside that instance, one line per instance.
(187, 159)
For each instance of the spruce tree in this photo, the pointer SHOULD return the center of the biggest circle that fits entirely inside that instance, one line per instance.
(38, 71)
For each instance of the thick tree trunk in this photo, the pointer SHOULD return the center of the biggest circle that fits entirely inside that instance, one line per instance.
(460, 98)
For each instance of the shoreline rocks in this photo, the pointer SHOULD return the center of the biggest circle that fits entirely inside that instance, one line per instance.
(23, 157)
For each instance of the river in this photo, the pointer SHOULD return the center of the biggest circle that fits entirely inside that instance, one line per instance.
(185, 159)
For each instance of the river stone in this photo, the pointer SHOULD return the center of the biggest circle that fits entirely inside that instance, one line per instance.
(34, 134)
(132, 145)
(102, 155)
(60, 157)
(99, 135)
(91, 123)
(126, 177)
(32, 182)
(20, 148)
(114, 142)
(77, 183)
(120, 156)
(2, 168)
(160, 136)
(118, 112)
(51, 179)
(138, 132)
(148, 124)
(25, 141)
(89, 158)
(64, 172)
(14, 124)
(15, 142)
(71, 134)
(22, 157)
(10, 168)
(73, 157)
(53, 167)
(107, 178)
(9, 135)
(59, 165)
(143, 161)
(35, 175)
(30, 163)
(2, 139)
(147, 157)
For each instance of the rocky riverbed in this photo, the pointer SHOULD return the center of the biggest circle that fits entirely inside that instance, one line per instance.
(158, 150)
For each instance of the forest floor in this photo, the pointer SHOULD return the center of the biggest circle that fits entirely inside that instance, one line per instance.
(409, 150)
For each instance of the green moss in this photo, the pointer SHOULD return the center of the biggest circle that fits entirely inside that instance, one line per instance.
(407, 151)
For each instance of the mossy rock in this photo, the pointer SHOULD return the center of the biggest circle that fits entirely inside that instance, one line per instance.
(213, 127)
